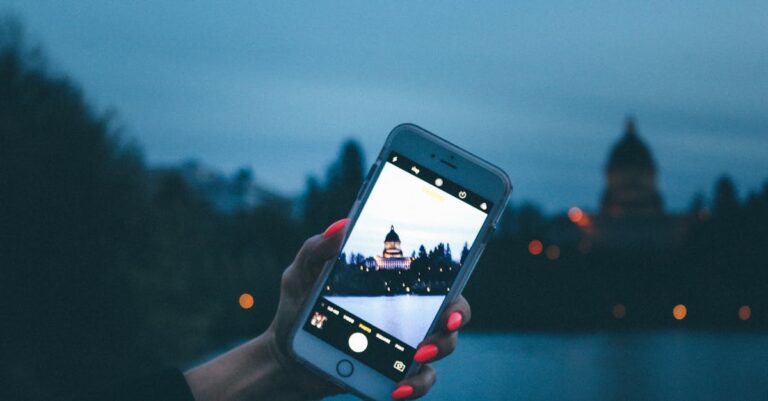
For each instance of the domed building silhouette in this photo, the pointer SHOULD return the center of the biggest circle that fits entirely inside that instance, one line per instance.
(631, 189)
(632, 212)
(392, 256)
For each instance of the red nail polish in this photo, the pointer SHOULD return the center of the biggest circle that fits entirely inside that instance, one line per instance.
(402, 392)
(454, 321)
(425, 353)
(335, 227)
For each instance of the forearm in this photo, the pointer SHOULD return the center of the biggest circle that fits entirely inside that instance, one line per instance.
(251, 372)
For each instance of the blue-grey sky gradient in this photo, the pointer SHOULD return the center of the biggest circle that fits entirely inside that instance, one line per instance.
(539, 88)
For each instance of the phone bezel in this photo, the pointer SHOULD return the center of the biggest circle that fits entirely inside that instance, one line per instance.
(437, 154)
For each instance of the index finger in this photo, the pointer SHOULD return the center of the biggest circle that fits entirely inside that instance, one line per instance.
(456, 315)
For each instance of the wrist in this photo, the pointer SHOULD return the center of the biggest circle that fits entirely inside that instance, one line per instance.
(254, 370)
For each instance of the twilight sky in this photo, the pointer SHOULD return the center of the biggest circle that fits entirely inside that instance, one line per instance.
(540, 89)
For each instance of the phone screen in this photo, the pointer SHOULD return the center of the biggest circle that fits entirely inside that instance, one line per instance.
(397, 266)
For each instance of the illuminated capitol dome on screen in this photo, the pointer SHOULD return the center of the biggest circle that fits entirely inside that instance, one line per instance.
(392, 257)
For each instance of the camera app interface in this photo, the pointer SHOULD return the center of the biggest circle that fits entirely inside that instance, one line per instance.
(397, 266)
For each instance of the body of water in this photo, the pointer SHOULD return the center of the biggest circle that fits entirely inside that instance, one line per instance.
(406, 317)
(650, 365)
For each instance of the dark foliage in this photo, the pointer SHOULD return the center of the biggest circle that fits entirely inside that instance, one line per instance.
(429, 274)
(104, 272)
(332, 201)
(717, 270)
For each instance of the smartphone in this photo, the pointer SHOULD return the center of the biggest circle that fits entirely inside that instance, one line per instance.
(418, 226)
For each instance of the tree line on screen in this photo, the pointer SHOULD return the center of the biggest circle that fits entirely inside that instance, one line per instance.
(107, 269)
(430, 273)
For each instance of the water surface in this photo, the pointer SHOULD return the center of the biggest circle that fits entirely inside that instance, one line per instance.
(406, 317)
(654, 365)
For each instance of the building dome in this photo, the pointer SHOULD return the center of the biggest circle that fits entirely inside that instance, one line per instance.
(392, 256)
(631, 189)
(392, 235)
(630, 152)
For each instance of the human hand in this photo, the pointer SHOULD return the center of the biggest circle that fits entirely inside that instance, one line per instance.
(297, 282)
(263, 368)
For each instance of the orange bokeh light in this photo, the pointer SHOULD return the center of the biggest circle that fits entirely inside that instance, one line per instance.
(679, 311)
(246, 301)
(575, 214)
(619, 311)
(535, 247)
(553, 252)
(745, 312)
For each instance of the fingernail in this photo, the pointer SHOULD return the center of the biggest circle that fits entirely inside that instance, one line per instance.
(425, 353)
(335, 227)
(454, 321)
(402, 392)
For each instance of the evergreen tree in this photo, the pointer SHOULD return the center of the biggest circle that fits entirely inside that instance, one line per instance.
(697, 205)
(332, 200)
(464, 252)
(423, 253)
(72, 220)
(241, 184)
(314, 204)
(344, 180)
(726, 200)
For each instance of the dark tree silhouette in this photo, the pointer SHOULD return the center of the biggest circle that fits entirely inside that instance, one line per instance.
(698, 205)
(726, 200)
(106, 271)
(324, 204)
(71, 220)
